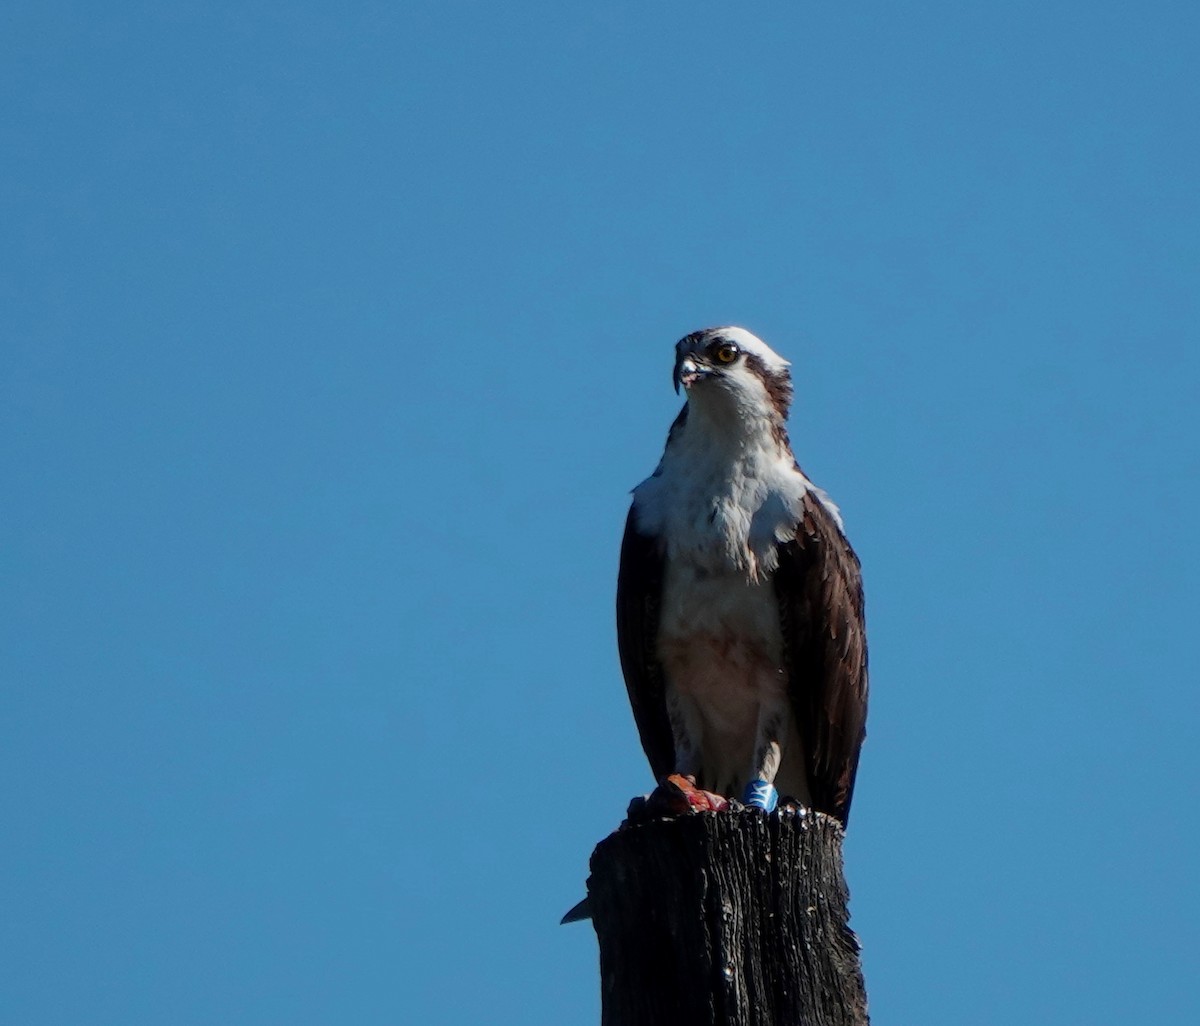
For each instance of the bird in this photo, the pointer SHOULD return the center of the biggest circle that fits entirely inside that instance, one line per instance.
(740, 614)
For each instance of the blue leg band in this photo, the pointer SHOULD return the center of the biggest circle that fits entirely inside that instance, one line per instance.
(761, 795)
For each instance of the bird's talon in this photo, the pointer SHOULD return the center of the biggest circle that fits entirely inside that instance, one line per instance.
(761, 795)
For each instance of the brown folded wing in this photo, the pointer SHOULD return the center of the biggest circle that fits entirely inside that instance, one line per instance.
(819, 587)
(639, 590)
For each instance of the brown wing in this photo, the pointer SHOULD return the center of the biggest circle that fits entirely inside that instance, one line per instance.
(819, 587)
(639, 592)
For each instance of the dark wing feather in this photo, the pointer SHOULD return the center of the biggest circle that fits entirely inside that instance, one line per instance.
(819, 586)
(639, 591)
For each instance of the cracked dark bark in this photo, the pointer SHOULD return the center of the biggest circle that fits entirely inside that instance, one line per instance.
(728, 919)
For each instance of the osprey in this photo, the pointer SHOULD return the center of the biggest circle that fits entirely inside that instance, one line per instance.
(739, 600)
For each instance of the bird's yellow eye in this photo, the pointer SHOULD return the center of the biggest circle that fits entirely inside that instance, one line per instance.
(727, 352)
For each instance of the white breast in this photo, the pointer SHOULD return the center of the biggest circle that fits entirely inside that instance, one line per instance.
(722, 506)
(722, 502)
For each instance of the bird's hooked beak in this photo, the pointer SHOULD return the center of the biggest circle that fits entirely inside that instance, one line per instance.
(688, 371)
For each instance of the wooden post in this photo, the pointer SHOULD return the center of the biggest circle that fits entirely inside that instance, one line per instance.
(734, 918)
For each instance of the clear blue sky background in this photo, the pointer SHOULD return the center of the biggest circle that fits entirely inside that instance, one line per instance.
(333, 339)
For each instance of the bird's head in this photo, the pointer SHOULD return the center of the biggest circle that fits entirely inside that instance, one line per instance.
(732, 367)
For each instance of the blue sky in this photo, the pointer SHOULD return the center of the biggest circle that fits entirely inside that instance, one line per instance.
(333, 340)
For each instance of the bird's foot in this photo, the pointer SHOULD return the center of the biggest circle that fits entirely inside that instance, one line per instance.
(676, 795)
(761, 795)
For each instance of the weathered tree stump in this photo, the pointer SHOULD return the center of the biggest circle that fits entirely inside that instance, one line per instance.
(729, 919)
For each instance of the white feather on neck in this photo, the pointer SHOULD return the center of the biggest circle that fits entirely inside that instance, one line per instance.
(727, 489)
